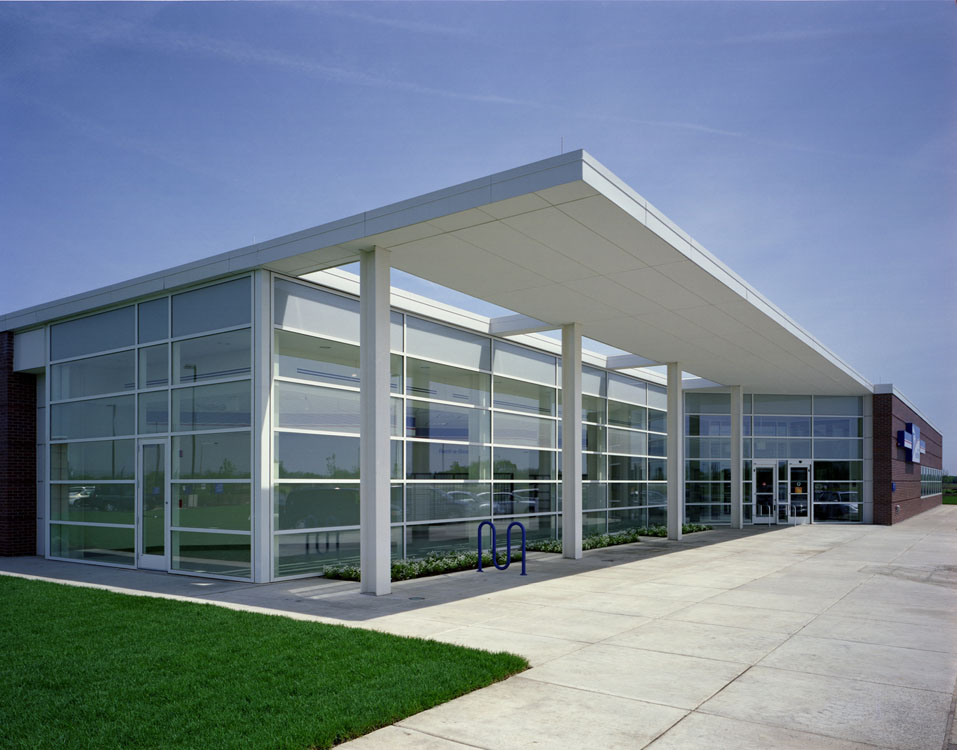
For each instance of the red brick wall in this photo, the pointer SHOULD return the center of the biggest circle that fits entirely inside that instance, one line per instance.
(891, 467)
(18, 456)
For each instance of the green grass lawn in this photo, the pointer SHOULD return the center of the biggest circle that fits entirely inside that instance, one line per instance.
(86, 668)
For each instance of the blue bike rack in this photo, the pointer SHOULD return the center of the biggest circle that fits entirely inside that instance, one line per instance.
(508, 546)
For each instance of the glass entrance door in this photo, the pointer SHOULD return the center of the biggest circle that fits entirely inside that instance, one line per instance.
(152, 506)
(764, 481)
(799, 487)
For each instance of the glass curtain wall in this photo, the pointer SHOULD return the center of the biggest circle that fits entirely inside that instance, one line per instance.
(175, 368)
(475, 436)
(931, 481)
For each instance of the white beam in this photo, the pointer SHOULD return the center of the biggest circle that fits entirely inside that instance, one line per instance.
(512, 325)
(374, 461)
(628, 361)
(692, 384)
(737, 455)
(572, 441)
(676, 463)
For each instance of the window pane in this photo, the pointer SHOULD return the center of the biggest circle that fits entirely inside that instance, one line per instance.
(510, 498)
(657, 446)
(627, 415)
(627, 468)
(657, 421)
(593, 381)
(657, 469)
(657, 396)
(594, 523)
(104, 544)
(94, 333)
(838, 492)
(422, 539)
(396, 325)
(524, 363)
(427, 339)
(298, 554)
(707, 403)
(310, 506)
(837, 470)
(622, 388)
(625, 494)
(316, 310)
(94, 503)
(708, 447)
(838, 427)
(594, 495)
(214, 456)
(223, 355)
(212, 307)
(426, 502)
(101, 459)
(838, 448)
(770, 448)
(309, 407)
(799, 448)
(781, 426)
(302, 456)
(446, 461)
(773, 404)
(593, 409)
(211, 505)
(707, 425)
(513, 429)
(109, 373)
(520, 396)
(432, 380)
(218, 554)
(624, 441)
(851, 406)
(154, 320)
(838, 512)
(704, 471)
(154, 412)
(154, 366)
(520, 463)
(444, 422)
(324, 361)
(593, 467)
(593, 437)
(211, 407)
(631, 518)
(102, 417)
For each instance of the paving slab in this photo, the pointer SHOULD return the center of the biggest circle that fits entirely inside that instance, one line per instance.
(751, 618)
(884, 632)
(699, 639)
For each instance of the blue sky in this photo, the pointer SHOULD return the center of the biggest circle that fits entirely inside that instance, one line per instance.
(811, 146)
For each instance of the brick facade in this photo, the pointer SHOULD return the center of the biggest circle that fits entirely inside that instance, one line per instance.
(890, 466)
(18, 456)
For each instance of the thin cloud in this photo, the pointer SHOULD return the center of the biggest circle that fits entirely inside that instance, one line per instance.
(416, 27)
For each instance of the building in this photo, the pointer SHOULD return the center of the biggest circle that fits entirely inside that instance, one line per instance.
(221, 418)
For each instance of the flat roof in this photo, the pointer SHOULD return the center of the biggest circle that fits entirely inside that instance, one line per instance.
(559, 240)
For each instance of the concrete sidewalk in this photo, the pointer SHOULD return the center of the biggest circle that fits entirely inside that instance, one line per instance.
(819, 636)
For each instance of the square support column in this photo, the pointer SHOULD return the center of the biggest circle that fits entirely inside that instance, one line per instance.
(375, 548)
(737, 456)
(572, 441)
(676, 453)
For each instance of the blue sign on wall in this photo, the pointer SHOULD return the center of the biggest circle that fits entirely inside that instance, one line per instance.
(910, 440)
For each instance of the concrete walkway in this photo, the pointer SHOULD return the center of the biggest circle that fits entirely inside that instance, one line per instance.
(818, 636)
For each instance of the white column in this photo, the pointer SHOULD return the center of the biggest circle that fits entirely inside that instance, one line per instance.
(737, 455)
(374, 460)
(676, 453)
(262, 427)
(572, 441)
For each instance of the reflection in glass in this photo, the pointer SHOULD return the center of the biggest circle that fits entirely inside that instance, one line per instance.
(304, 456)
(154, 366)
(104, 544)
(212, 307)
(308, 407)
(444, 422)
(518, 395)
(211, 505)
(524, 363)
(426, 502)
(446, 383)
(627, 415)
(223, 455)
(308, 506)
(446, 461)
(217, 554)
(625, 441)
(153, 320)
(101, 417)
(424, 338)
(521, 463)
(94, 333)
(211, 407)
(153, 412)
(92, 502)
(514, 429)
(100, 459)
(109, 373)
(153, 495)
(310, 552)
(223, 355)
(316, 310)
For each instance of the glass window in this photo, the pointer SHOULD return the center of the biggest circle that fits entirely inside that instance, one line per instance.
(626, 415)
(427, 502)
(623, 388)
(838, 492)
(422, 539)
(314, 506)
(100, 459)
(624, 441)
(594, 523)
(513, 429)
(308, 407)
(153, 320)
(627, 468)
(109, 373)
(432, 380)
(657, 421)
(435, 341)
(153, 412)
(223, 455)
(849, 511)
(594, 495)
(524, 464)
(92, 502)
(705, 471)
(593, 409)
(657, 396)
(625, 494)
(212, 307)
(518, 395)
(524, 363)
(770, 448)
(154, 366)
(315, 310)
(223, 355)
(396, 326)
(446, 461)
(707, 425)
(105, 544)
(708, 447)
(211, 407)
(838, 427)
(593, 381)
(779, 404)
(509, 498)
(782, 426)
(837, 448)
(707, 403)
(298, 554)
(211, 505)
(444, 422)
(837, 471)
(799, 448)
(94, 333)
(593, 466)
(324, 361)
(593, 438)
(217, 554)
(657, 446)
(850, 406)
(101, 417)
(304, 456)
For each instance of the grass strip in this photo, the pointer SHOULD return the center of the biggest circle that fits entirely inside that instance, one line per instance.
(86, 668)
